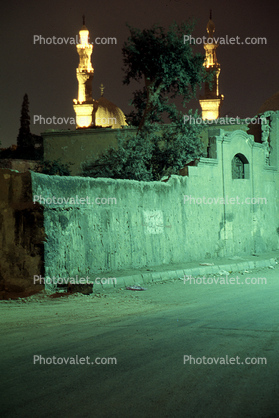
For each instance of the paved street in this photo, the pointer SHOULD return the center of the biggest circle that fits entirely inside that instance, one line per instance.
(149, 333)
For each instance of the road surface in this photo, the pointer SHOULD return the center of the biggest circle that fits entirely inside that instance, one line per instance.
(148, 337)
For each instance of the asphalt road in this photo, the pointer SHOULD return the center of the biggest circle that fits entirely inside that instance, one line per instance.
(150, 378)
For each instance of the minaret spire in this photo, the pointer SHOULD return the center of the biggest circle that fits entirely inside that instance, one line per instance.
(83, 20)
(83, 106)
(211, 100)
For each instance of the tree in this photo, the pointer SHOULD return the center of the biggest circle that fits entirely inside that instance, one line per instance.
(169, 69)
(150, 154)
(131, 159)
(29, 145)
(53, 168)
(167, 66)
(23, 139)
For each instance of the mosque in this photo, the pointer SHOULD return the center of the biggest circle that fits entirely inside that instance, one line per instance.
(102, 112)
(96, 120)
(153, 223)
(88, 111)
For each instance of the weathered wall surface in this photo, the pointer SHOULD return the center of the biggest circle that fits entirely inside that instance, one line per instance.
(77, 146)
(20, 165)
(81, 145)
(157, 223)
(21, 235)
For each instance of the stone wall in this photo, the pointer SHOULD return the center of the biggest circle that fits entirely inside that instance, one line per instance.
(149, 224)
(21, 235)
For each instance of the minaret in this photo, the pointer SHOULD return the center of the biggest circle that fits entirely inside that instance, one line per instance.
(212, 100)
(83, 106)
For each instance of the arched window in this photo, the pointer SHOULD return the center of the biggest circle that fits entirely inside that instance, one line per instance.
(240, 167)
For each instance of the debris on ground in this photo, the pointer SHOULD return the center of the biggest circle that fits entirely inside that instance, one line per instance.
(207, 264)
(135, 288)
(223, 272)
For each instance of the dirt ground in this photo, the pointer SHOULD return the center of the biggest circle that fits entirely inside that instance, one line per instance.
(111, 304)
(42, 307)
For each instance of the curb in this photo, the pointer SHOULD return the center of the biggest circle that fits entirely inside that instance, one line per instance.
(164, 275)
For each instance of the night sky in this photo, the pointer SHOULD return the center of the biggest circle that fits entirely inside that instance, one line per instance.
(47, 73)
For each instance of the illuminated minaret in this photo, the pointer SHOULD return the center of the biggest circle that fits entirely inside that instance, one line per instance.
(83, 106)
(211, 100)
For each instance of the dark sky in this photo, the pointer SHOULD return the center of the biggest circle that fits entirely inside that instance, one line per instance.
(249, 73)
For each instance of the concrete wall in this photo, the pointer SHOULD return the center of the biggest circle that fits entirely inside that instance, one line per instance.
(78, 146)
(147, 224)
(20, 165)
(81, 145)
(151, 225)
(21, 235)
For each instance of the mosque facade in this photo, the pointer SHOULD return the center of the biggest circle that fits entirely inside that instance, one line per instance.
(90, 112)
(98, 120)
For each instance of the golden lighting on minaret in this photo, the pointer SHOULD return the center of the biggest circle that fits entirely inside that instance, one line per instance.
(211, 101)
(83, 106)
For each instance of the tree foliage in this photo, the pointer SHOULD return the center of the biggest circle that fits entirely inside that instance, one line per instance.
(29, 146)
(166, 65)
(168, 69)
(154, 152)
(53, 168)
(24, 135)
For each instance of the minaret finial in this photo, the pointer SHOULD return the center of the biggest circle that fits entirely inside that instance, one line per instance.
(102, 88)
(210, 28)
(83, 20)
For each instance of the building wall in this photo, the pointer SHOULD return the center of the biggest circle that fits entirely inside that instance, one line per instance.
(21, 235)
(151, 225)
(81, 145)
(77, 146)
(19, 165)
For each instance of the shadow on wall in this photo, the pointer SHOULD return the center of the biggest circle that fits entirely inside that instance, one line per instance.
(22, 236)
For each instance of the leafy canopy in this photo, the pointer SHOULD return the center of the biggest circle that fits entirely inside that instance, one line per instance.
(168, 68)
(53, 168)
(154, 152)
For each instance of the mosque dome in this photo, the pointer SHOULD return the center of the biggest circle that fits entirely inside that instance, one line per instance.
(107, 114)
(270, 104)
